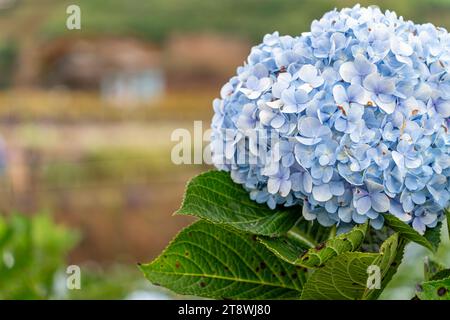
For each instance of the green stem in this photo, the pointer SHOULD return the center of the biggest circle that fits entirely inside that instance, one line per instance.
(447, 213)
(332, 232)
(297, 235)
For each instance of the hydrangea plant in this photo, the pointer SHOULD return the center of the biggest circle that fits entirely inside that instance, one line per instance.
(327, 143)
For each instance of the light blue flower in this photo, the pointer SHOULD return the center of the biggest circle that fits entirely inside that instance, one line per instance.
(381, 89)
(326, 153)
(271, 39)
(442, 107)
(417, 179)
(402, 50)
(437, 187)
(283, 82)
(396, 209)
(349, 102)
(311, 131)
(219, 113)
(393, 180)
(355, 116)
(354, 94)
(406, 157)
(270, 116)
(390, 133)
(310, 75)
(279, 182)
(257, 83)
(313, 213)
(284, 153)
(425, 216)
(374, 198)
(263, 196)
(247, 119)
(357, 70)
(301, 182)
(325, 157)
(380, 155)
(293, 100)
(378, 42)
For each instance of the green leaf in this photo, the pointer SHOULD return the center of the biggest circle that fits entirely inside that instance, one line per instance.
(294, 251)
(431, 268)
(214, 261)
(442, 274)
(433, 235)
(434, 290)
(434, 270)
(345, 276)
(390, 258)
(287, 248)
(429, 240)
(213, 196)
(311, 232)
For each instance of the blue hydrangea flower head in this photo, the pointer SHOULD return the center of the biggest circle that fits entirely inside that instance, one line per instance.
(350, 120)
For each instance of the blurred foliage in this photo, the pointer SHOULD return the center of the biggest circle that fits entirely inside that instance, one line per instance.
(109, 166)
(101, 284)
(8, 59)
(157, 19)
(117, 282)
(411, 272)
(32, 251)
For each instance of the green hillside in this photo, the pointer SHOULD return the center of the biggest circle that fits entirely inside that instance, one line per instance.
(156, 19)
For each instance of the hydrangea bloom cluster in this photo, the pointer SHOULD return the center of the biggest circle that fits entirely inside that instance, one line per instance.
(360, 108)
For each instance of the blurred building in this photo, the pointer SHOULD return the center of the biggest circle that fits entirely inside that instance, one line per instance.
(123, 70)
(203, 59)
(126, 71)
(6, 4)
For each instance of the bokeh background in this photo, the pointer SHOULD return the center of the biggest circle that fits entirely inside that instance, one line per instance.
(86, 118)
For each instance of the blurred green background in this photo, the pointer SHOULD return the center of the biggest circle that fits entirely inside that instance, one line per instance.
(86, 118)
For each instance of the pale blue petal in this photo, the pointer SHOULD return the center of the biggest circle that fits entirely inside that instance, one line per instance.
(419, 226)
(340, 95)
(443, 108)
(345, 214)
(337, 188)
(363, 205)
(273, 185)
(380, 202)
(322, 193)
(308, 126)
(348, 71)
(359, 218)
